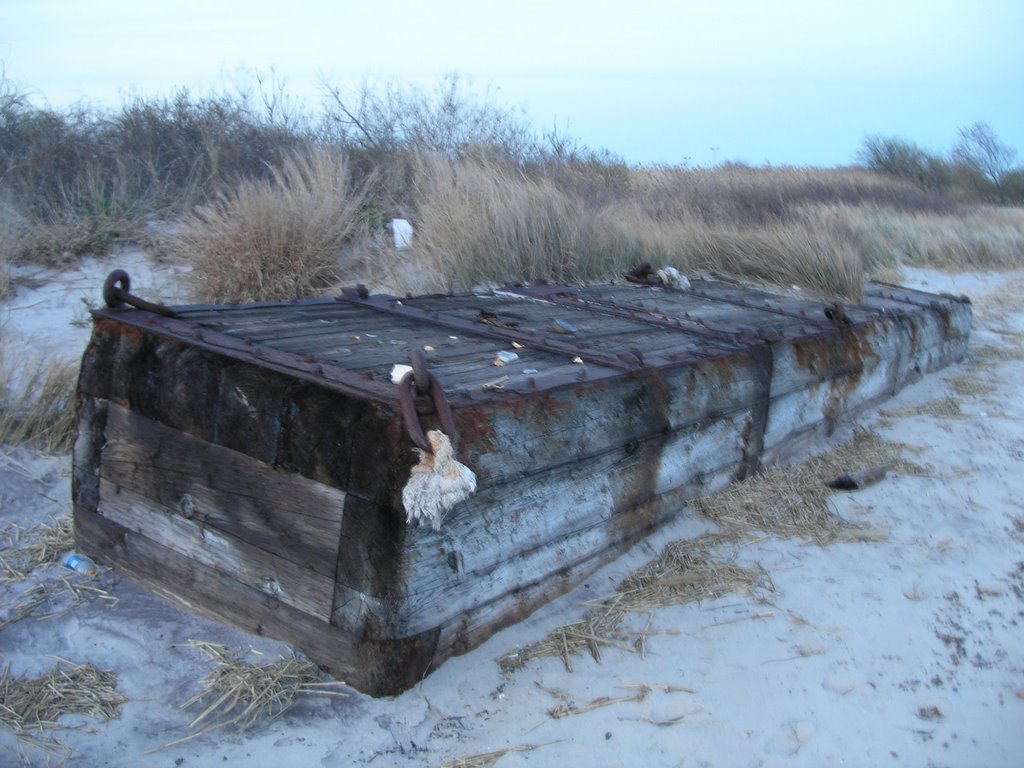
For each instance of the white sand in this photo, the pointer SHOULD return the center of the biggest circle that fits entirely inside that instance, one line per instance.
(908, 651)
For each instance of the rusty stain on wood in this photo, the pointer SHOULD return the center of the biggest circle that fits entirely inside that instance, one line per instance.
(248, 461)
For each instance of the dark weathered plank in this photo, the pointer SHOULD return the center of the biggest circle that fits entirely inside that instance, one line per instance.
(298, 585)
(281, 513)
(377, 666)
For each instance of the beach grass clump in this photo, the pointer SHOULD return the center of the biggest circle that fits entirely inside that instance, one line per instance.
(484, 222)
(37, 400)
(273, 239)
(972, 237)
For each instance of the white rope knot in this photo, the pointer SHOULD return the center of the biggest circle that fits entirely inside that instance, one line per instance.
(437, 483)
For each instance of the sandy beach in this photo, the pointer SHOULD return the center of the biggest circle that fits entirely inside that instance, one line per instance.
(905, 650)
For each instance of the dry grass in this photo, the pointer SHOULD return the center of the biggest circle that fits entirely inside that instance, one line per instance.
(31, 705)
(971, 386)
(244, 695)
(974, 238)
(487, 759)
(48, 542)
(794, 501)
(684, 572)
(37, 401)
(786, 501)
(483, 223)
(273, 239)
(58, 596)
(945, 407)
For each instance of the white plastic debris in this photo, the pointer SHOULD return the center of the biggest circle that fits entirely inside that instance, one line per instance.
(398, 372)
(673, 278)
(402, 231)
(505, 357)
(437, 483)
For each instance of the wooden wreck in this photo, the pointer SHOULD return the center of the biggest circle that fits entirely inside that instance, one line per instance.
(248, 461)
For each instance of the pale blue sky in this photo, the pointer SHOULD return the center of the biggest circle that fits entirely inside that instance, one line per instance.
(789, 82)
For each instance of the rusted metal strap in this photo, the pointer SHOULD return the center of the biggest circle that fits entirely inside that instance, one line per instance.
(393, 306)
(425, 383)
(574, 298)
(117, 292)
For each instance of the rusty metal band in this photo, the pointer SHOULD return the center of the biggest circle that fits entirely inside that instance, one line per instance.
(407, 403)
(117, 292)
(421, 376)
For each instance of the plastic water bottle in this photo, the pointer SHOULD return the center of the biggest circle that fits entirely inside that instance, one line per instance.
(81, 564)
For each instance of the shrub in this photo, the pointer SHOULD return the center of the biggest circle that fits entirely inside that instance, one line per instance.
(276, 238)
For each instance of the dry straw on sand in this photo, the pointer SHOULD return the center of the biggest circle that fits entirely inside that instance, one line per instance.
(30, 705)
(247, 694)
(48, 542)
(786, 501)
(684, 572)
(487, 759)
(794, 501)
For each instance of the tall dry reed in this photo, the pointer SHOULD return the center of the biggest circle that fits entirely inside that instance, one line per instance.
(273, 239)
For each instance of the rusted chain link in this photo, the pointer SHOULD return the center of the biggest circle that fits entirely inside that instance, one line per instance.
(407, 402)
(117, 292)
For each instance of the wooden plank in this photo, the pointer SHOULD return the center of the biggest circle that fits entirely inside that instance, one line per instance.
(475, 625)
(529, 530)
(282, 513)
(295, 584)
(377, 666)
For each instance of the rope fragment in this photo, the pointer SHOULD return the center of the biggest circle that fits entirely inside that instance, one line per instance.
(437, 483)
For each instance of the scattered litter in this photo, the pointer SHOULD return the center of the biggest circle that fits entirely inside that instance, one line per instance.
(505, 357)
(862, 479)
(495, 385)
(577, 360)
(398, 372)
(47, 543)
(80, 564)
(517, 345)
(563, 326)
(428, 348)
(530, 371)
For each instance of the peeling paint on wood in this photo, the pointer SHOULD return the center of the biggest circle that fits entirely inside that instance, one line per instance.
(248, 461)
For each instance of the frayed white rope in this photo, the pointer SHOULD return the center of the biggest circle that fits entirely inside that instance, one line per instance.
(671, 277)
(437, 483)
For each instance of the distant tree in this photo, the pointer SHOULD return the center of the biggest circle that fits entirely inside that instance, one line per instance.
(980, 150)
(905, 160)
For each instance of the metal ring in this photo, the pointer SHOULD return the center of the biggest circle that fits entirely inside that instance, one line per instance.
(412, 419)
(420, 373)
(444, 411)
(407, 403)
(117, 292)
(114, 296)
